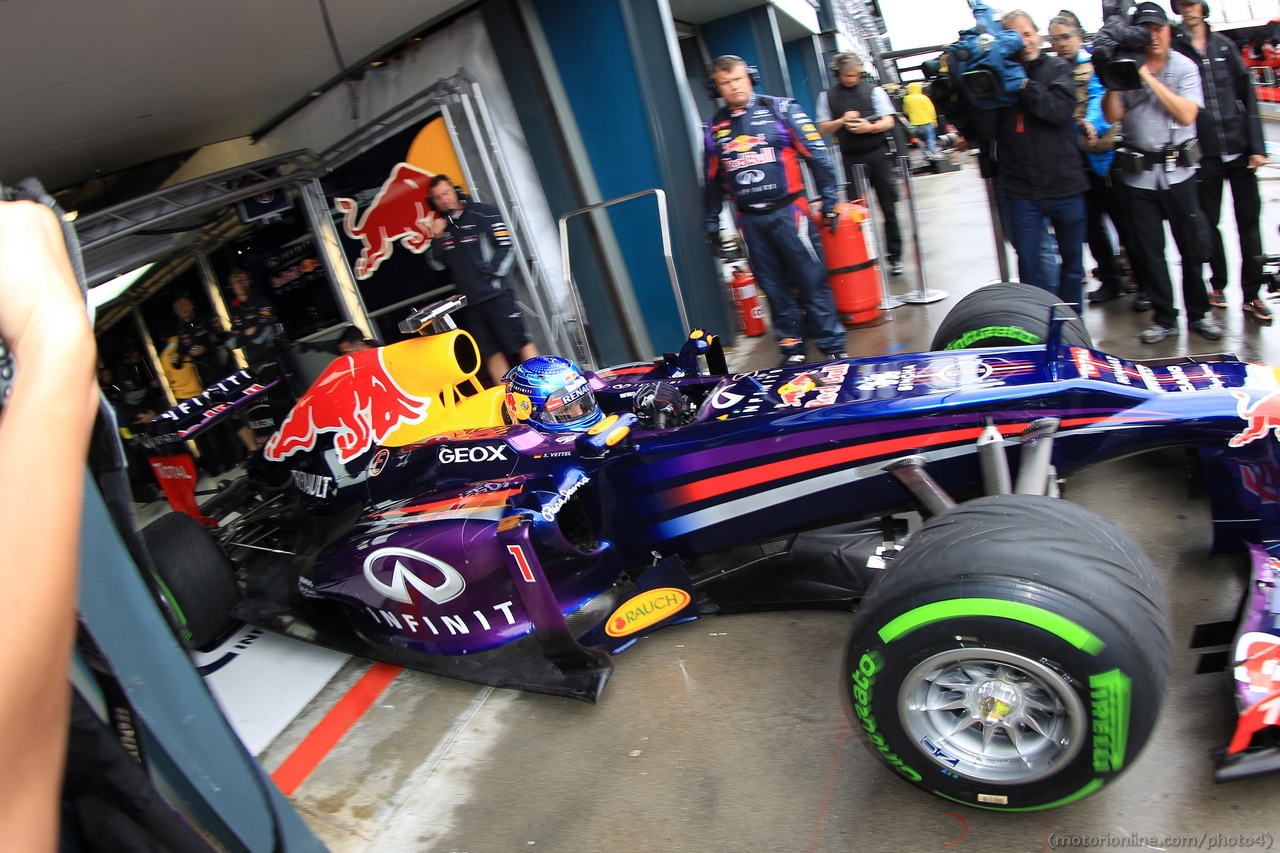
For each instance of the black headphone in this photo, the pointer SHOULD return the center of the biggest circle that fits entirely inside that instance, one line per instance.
(713, 91)
(462, 195)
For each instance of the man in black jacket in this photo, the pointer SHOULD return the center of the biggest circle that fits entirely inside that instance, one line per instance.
(473, 242)
(1037, 161)
(1230, 133)
(861, 116)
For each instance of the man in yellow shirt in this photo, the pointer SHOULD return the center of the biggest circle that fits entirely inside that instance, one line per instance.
(923, 117)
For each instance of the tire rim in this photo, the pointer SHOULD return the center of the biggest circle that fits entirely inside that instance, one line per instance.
(992, 716)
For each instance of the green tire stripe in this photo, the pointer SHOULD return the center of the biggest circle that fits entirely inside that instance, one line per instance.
(956, 608)
(1016, 333)
(1091, 788)
(173, 602)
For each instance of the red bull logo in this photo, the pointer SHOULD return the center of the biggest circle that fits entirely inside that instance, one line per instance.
(742, 143)
(357, 400)
(1260, 417)
(793, 392)
(399, 212)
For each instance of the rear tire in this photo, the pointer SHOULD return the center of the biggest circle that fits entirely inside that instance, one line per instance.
(1013, 656)
(196, 575)
(1006, 314)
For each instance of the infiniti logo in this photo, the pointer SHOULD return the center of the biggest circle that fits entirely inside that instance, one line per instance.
(750, 176)
(402, 574)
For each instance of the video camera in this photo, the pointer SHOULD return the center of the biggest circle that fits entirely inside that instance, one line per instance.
(983, 61)
(1118, 47)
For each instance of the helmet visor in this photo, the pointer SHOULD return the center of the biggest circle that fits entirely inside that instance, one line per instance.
(570, 404)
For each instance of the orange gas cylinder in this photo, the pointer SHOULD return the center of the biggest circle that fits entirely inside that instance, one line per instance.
(854, 274)
(745, 297)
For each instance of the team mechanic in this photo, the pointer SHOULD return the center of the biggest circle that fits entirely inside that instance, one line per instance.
(752, 150)
(477, 249)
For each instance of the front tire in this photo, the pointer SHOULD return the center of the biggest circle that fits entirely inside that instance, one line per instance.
(196, 576)
(1013, 656)
(1006, 314)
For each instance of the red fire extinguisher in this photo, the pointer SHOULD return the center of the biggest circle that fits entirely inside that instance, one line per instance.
(743, 286)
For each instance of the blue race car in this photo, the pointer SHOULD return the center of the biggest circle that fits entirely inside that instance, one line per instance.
(1009, 653)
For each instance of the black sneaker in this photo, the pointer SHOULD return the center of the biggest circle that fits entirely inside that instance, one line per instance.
(1142, 303)
(1259, 309)
(1103, 294)
(835, 356)
(895, 267)
(794, 359)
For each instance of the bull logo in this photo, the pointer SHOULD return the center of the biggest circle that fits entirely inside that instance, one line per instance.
(357, 400)
(398, 212)
(1260, 418)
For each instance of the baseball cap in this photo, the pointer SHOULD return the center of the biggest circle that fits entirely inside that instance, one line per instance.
(1148, 12)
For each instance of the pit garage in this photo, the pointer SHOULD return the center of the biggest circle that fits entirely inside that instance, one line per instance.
(734, 731)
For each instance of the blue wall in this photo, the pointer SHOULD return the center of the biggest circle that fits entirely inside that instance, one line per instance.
(589, 42)
(800, 67)
(731, 34)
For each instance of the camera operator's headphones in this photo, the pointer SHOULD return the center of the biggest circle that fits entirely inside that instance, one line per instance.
(753, 74)
(462, 194)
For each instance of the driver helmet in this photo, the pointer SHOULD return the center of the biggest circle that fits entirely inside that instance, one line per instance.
(551, 393)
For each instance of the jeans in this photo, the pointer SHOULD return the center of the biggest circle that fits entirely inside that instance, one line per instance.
(927, 135)
(1067, 216)
(1049, 265)
(785, 252)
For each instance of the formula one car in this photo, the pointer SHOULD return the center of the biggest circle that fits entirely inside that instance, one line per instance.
(1010, 653)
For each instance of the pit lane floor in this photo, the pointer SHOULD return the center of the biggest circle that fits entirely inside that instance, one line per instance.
(729, 734)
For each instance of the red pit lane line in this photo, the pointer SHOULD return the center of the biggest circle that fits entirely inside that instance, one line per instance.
(290, 775)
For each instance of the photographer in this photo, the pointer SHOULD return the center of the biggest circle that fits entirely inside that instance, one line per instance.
(1156, 166)
(1038, 164)
(1230, 133)
(861, 117)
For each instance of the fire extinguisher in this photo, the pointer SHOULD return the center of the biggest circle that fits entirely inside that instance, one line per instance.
(743, 286)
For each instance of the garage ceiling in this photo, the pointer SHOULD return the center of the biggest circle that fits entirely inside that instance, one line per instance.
(90, 87)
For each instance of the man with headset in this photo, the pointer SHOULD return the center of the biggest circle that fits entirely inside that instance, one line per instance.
(861, 117)
(752, 148)
(472, 241)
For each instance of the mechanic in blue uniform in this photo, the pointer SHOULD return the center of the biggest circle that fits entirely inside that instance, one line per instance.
(752, 149)
(473, 242)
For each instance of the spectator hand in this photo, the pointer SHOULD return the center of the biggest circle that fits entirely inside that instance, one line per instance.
(437, 226)
(1256, 161)
(40, 301)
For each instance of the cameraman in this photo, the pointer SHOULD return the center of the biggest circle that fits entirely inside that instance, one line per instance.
(1159, 143)
(1230, 133)
(1038, 164)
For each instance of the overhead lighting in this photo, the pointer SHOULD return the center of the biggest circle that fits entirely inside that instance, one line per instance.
(109, 290)
(70, 216)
